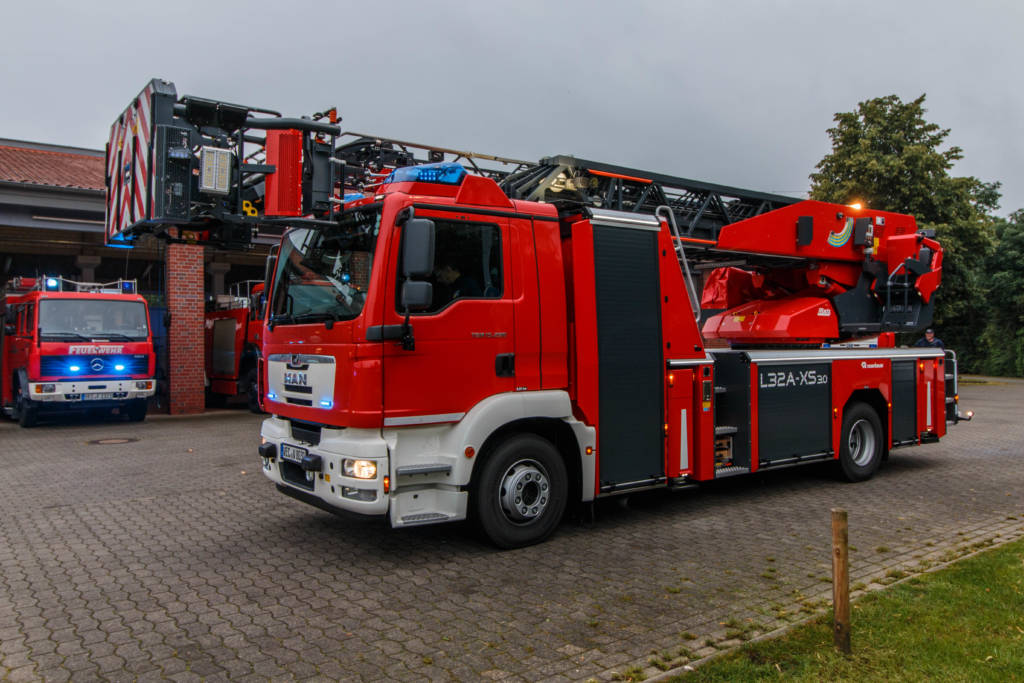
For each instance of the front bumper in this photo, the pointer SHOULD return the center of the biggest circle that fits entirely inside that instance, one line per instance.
(87, 391)
(328, 484)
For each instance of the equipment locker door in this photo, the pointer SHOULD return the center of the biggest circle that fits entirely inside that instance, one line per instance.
(630, 362)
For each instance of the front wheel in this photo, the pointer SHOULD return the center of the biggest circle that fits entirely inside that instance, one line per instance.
(861, 443)
(520, 495)
(24, 411)
(253, 391)
(136, 410)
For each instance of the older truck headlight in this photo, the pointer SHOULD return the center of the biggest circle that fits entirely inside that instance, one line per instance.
(360, 469)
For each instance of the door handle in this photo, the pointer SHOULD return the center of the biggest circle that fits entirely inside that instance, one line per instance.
(505, 365)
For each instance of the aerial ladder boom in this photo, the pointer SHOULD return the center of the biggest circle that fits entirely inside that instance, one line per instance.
(776, 270)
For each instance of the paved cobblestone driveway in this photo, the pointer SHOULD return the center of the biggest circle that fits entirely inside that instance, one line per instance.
(173, 557)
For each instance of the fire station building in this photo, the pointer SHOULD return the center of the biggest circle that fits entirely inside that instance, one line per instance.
(51, 223)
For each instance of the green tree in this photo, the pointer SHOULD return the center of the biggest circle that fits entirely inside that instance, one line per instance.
(1003, 340)
(888, 156)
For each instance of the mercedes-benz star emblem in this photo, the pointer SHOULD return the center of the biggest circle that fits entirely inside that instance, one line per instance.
(96, 364)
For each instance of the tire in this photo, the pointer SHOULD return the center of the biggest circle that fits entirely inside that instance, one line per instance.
(136, 410)
(861, 443)
(520, 494)
(252, 391)
(25, 412)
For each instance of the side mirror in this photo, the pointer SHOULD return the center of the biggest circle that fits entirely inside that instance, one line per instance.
(418, 248)
(417, 295)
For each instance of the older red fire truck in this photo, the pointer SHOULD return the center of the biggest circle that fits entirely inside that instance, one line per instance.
(74, 346)
(501, 345)
(234, 326)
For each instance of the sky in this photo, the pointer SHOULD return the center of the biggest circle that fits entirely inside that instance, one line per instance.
(738, 93)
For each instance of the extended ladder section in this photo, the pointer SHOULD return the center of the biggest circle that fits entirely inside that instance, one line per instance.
(370, 159)
(199, 170)
(701, 209)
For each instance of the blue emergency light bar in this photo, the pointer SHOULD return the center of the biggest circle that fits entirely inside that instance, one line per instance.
(446, 173)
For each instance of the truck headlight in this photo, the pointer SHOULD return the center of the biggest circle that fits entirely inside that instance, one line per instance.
(360, 469)
(45, 388)
(144, 385)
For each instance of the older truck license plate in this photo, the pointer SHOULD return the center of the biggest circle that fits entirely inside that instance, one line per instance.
(293, 453)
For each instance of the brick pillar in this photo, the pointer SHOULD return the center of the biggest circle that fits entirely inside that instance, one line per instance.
(185, 345)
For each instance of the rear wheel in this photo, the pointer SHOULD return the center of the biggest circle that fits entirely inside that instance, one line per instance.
(861, 443)
(520, 494)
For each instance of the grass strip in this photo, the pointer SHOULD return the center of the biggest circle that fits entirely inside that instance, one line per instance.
(962, 623)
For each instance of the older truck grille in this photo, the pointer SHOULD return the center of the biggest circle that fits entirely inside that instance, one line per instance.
(94, 366)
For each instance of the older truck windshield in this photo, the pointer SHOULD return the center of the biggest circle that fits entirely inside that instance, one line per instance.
(323, 273)
(61, 319)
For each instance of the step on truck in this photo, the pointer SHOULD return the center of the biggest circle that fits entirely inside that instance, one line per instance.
(73, 347)
(504, 342)
(234, 326)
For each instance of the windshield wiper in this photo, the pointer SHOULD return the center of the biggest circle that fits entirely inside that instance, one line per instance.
(117, 335)
(65, 335)
(308, 317)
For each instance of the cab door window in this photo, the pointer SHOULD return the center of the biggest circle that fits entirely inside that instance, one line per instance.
(467, 263)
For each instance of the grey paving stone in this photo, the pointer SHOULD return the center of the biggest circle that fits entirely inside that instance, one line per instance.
(142, 560)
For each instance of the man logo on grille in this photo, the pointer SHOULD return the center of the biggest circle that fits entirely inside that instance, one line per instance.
(96, 364)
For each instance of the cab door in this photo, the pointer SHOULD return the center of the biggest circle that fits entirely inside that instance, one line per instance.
(464, 347)
(20, 345)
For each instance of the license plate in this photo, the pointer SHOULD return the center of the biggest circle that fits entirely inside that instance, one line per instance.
(293, 453)
(98, 397)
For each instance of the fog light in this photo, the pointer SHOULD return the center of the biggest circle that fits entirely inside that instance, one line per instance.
(363, 495)
(360, 469)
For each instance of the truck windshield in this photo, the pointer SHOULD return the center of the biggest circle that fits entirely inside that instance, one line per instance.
(61, 319)
(323, 273)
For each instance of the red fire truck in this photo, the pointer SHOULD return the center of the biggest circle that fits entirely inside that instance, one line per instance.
(74, 346)
(501, 345)
(233, 337)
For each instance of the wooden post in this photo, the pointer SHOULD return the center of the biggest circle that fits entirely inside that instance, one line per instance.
(841, 580)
